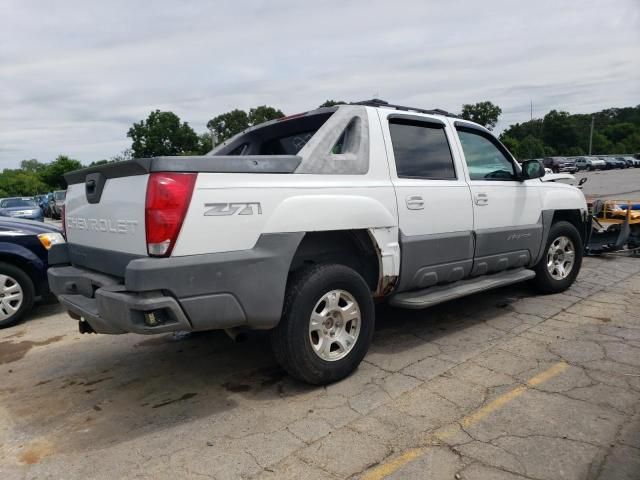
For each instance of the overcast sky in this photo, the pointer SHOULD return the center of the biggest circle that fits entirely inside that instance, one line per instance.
(74, 75)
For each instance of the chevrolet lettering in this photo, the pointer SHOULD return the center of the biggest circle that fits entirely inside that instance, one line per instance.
(106, 225)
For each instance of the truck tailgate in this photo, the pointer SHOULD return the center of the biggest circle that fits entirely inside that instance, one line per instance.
(115, 222)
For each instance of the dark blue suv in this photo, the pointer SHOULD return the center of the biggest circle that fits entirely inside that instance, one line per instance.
(23, 265)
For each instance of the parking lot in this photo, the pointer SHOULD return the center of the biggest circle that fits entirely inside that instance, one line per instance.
(615, 184)
(500, 385)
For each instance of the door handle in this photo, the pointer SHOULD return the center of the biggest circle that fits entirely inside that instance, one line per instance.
(482, 199)
(415, 202)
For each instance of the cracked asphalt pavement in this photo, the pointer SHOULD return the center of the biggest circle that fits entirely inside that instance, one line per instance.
(500, 385)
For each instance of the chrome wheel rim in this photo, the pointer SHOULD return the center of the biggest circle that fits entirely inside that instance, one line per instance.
(11, 296)
(561, 257)
(334, 325)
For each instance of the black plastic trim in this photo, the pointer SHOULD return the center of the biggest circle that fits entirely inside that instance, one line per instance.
(203, 163)
(99, 259)
(415, 118)
(216, 290)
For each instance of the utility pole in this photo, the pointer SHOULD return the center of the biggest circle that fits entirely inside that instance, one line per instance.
(591, 135)
(531, 109)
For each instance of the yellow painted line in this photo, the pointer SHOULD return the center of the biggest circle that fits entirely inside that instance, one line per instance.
(387, 468)
(542, 377)
(391, 466)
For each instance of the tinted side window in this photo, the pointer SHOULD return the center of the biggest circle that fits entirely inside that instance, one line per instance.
(421, 150)
(485, 160)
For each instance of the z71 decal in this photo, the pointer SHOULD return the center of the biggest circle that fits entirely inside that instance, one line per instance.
(235, 208)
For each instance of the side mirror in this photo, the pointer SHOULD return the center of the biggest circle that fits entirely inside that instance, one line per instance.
(532, 169)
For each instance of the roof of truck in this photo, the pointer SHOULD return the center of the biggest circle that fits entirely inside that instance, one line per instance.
(376, 102)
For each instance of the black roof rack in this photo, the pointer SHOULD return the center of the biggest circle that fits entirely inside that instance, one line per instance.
(376, 102)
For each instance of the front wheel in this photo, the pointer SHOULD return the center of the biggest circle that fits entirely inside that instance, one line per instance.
(16, 294)
(560, 265)
(326, 326)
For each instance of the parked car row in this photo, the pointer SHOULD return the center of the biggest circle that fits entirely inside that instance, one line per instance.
(590, 163)
(34, 208)
(51, 204)
(606, 163)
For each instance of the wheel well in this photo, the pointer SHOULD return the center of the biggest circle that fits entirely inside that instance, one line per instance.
(24, 265)
(353, 248)
(575, 218)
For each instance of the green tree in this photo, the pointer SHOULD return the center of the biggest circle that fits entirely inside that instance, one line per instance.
(620, 131)
(123, 156)
(262, 114)
(162, 133)
(560, 131)
(512, 144)
(520, 131)
(205, 143)
(531, 147)
(630, 144)
(17, 183)
(332, 103)
(601, 144)
(226, 125)
(484, 113)
(100, 162)
(53, 174)
(32, 165)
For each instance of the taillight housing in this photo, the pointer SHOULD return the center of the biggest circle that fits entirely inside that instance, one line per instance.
(168, 197)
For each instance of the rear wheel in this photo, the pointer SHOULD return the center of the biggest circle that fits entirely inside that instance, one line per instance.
(16, 294)
(560, 265)
(327, 324)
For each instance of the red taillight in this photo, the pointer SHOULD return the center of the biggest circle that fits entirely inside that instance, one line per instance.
(168, 197)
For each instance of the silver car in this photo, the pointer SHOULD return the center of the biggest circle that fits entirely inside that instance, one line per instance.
(21, 207)
(590, 163)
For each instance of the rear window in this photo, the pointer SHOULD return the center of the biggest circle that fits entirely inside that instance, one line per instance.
(18, 202)
(282, 137)
(421, 150)
(289, 145)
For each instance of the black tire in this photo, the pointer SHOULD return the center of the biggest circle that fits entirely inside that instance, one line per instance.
(28, 293)
(291, 340)
(544, 282)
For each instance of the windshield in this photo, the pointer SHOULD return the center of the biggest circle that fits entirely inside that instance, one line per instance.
(59, 195)
(17, 202)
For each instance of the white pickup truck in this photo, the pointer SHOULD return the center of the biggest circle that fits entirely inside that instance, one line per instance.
(298, 225)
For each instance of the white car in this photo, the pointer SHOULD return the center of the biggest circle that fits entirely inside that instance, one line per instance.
(299, 224)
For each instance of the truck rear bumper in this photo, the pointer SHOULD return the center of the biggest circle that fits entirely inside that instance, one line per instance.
(200, 292)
